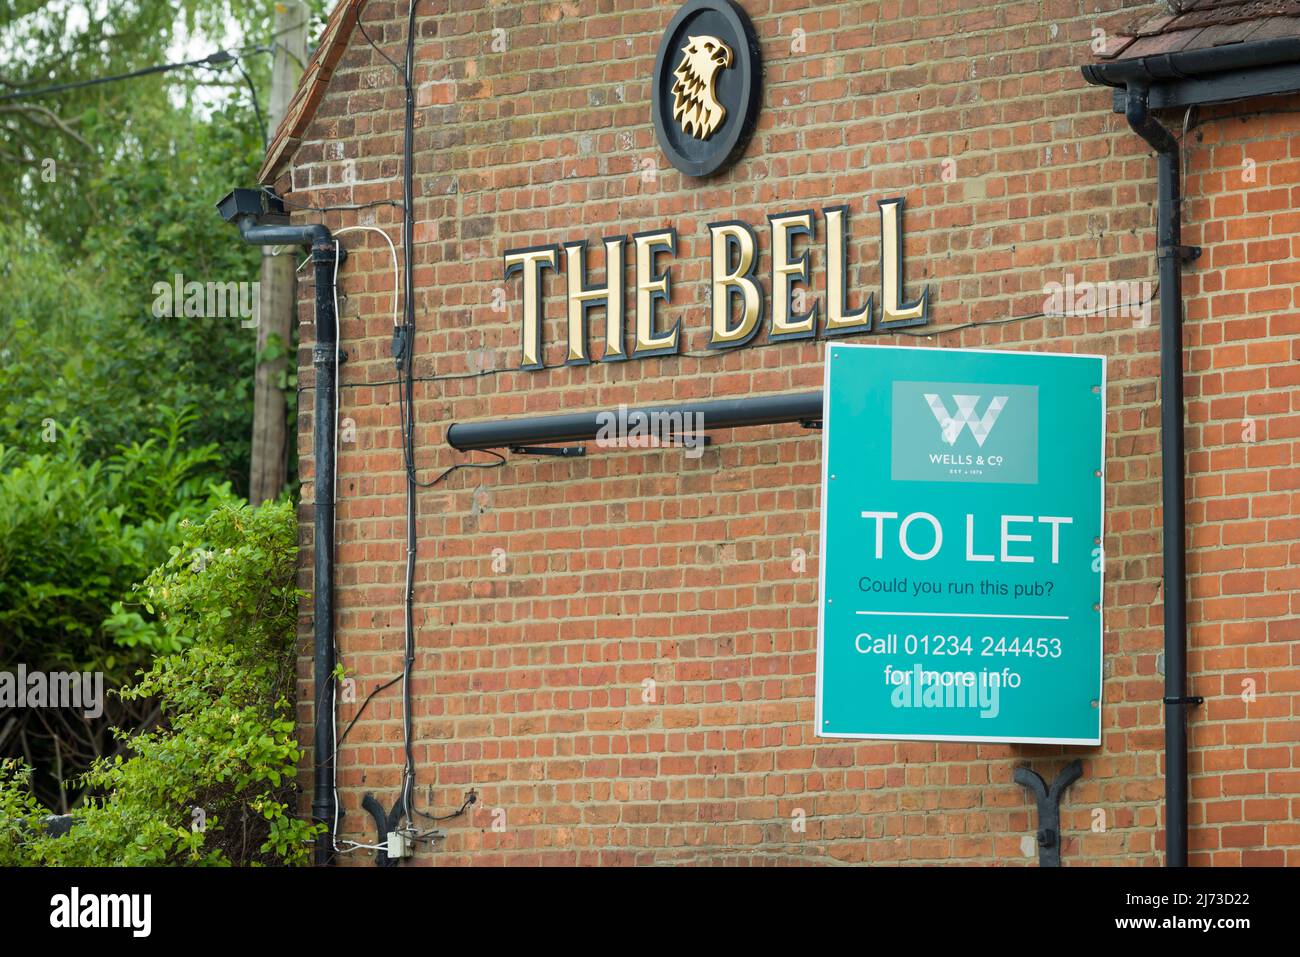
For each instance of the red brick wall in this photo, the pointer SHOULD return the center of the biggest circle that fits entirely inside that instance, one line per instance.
(632, 565)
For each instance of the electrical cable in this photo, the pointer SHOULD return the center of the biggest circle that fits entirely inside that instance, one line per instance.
(391, 248)
(334, 724)
(403, 396)
(290, 54)
(362, 27)
(218, 58)
(713, 354)
(360, 711)
(257, 108)
(326, 209)
(404, 349)
(291, 27)
(334, 831)
(406, 396)
(405, 676)
(471, 798)
(350, 846)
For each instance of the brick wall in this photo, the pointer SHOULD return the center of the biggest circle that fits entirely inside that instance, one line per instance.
(632, 565)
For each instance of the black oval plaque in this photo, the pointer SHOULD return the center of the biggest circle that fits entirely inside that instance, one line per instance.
(707, 86)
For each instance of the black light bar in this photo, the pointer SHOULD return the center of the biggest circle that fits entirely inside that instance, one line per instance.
(803, 407)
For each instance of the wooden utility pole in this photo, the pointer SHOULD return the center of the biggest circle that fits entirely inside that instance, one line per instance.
(277, 301)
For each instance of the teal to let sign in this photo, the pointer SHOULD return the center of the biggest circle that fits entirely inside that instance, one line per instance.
(961, 572)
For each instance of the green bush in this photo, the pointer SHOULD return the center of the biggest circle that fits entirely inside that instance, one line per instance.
(76, 534)
(215, 781)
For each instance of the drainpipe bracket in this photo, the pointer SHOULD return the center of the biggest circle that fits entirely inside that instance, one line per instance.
(1194, 700)
(1048, 799)
(1184, 253)
(325, 252)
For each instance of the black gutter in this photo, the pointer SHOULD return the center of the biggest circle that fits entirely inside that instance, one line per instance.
(1190, 64)
(246, 207)
(803, 407)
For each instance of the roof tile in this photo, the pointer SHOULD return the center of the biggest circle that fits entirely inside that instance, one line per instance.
(1200, 24)
(1114, 47)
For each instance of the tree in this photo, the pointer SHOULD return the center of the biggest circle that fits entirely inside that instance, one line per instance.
(52, 146)
(109, 190)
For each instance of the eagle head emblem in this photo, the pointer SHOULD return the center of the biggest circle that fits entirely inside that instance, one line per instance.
(695, 103)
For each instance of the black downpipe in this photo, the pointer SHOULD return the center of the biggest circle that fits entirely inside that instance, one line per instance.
(323, 360)
(282, 234)
(325, 257)
(1172, 464)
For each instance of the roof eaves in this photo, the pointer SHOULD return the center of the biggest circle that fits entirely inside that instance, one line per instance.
(311, 88)
(1217, 74)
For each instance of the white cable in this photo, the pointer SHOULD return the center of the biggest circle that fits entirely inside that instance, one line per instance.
(391, 248)
(406, 769)
(351, 846)
(335, 494)
(334, 721)
(334, 760)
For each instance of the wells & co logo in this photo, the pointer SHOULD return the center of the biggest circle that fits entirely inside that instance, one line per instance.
(965, 432)
(951, 425)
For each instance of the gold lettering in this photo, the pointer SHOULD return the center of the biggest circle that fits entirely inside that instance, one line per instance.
(839, 319)
(650, 288)
(786, 272)
(584, 298)
(894, 311)
(734, 280)
(531, 262)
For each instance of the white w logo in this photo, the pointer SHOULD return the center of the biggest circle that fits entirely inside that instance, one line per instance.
(965, 416)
